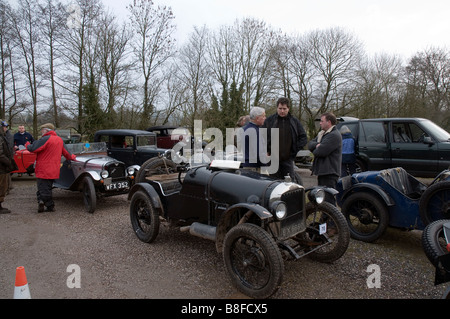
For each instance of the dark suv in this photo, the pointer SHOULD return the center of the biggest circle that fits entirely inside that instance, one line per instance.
(418, 145)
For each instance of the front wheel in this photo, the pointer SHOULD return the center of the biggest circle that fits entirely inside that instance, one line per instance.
(89, 195)
(144, 217)
(326, 226)
(253, 261)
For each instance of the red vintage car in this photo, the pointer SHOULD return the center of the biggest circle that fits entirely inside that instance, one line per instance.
(25, 161)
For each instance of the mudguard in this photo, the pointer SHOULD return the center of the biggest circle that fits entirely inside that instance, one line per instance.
(150, 191)
(361, 187)
(225, 221)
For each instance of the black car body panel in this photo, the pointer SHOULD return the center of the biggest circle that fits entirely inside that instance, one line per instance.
(133, 147)
(418, 145)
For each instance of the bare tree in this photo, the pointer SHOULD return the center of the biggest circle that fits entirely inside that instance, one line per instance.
(334, 55)
(53, 34)
(153, 45)
(114, 64)
(194, 74)
(25, 25)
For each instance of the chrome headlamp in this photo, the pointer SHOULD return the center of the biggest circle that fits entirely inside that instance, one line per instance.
(279, 208)
(104, 174)
(317, 195)
(131, 170)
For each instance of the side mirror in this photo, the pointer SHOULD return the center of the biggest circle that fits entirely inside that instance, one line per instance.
(427, 140)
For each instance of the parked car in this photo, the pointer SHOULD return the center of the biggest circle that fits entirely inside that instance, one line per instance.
(133, 147)
(168, 135)
(418, 145)
(25, 161)
(373, 200)
(94, 173)
(251, 218)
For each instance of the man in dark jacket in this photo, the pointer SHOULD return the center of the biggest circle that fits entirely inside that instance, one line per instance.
(292, 138)
(6, 158)
(327, 150)
(48, 151)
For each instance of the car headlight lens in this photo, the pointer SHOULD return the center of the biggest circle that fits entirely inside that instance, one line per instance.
(317, 195)
(280, 209)
(130, 171)
(104, 174)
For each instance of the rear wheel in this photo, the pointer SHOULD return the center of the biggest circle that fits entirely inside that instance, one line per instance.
(366, 215)
(253, 260)
(144, 217)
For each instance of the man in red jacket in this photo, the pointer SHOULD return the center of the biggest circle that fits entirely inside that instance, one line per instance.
(48, 151)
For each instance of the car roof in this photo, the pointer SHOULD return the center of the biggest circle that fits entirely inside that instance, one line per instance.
(160, 127)
(354, 119)
(123, 132)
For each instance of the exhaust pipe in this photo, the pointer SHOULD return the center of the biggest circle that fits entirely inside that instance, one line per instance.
(201, 230)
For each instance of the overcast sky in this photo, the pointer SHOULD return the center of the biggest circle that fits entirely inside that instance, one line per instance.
(401, 27)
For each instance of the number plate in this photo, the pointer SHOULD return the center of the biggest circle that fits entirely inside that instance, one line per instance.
(118, 185)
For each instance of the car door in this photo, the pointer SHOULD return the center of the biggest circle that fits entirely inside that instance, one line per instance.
(409, 150)
(122, 148)
(373, 145)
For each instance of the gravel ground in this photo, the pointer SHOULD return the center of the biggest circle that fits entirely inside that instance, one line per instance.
(115, 264)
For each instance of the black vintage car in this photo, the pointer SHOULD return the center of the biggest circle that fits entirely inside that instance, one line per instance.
(253, 219)
(133, 147)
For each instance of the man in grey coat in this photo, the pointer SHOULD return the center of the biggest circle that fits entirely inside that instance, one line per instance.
(327, 150)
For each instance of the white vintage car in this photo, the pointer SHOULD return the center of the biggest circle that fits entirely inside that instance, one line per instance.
(94, 173)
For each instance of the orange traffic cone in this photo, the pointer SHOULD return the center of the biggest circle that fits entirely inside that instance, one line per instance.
(21, 290)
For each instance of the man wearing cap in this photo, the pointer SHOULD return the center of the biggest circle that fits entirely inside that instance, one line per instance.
(48, 151)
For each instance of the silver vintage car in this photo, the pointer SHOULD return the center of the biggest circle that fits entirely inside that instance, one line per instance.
(94, 173)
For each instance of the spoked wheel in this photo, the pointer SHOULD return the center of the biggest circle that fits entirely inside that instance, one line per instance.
(366, 215)
(434, 203)
(89, 195)
(253, 261)
(155, 166)
(327, 229)
(144, 217)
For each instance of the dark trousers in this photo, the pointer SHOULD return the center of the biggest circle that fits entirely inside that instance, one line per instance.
(286, 167)
(328, 181)
(44, 192)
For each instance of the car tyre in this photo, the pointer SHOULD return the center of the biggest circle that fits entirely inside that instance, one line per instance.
(144, 217)
(433, 241)
(253, 261)
(434, 204)
(155, 166)
(337, 232)
(366, 215)
(89, 195)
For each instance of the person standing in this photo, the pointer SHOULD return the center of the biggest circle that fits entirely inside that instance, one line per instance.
(252, 141)
(22, 137)
(10, 141)
(292, 138)
(49, 150)
(348, 152)
(6, 159)
(327, 151)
